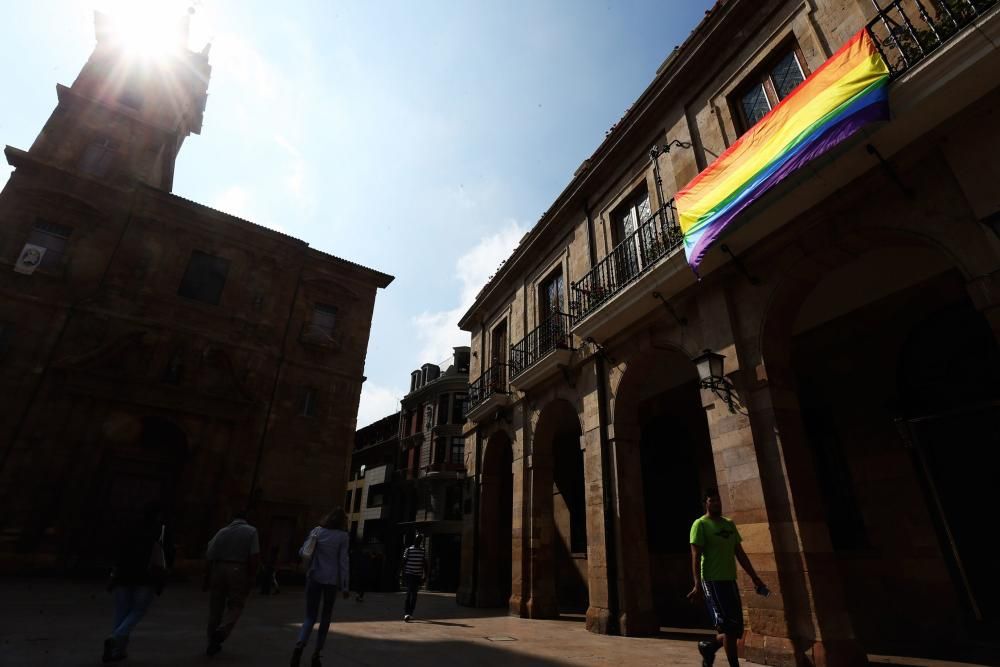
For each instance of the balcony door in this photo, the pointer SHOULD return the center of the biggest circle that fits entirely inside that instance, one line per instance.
(552, 329)
(626, 220)
(499, 350)
(550, 295)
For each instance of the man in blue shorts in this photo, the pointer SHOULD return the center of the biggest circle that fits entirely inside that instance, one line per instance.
(715, 548)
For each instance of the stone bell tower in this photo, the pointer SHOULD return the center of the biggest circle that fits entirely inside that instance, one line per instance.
(129, 110)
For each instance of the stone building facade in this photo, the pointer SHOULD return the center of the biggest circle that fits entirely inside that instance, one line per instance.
(433, 464)
(857, 310)
(154, 348)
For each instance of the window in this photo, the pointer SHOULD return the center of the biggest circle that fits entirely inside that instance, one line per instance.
(428, 417)
(550, 293)
(347, 500)
(308, 402)
(498, 355)
(131, 92)
(772, 83)
(205, 277)
(53, 238)
(453, 503)
(634, 211)
(324, 319)
(443, 409)
(458, 409)
(97, 157)
(357, 501)
(457, 450)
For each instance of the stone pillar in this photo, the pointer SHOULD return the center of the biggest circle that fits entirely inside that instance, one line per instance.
(520, 576)
(466, 594)
(768, 487)
(542, 602)
(598, 611)
(637, 615)
(520, 573)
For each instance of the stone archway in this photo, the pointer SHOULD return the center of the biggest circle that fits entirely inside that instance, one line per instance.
(496, 522)
(559, 573)
(664, 461)
(846, 343)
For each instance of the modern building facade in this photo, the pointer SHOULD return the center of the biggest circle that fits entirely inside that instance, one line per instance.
(155, 349)
(433, 464)
(372, 501)
(854, 314)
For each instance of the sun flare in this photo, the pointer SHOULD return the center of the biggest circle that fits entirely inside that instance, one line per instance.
(149, 31)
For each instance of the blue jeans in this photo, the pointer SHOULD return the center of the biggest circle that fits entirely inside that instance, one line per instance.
(315, 591)
(412, 582)
(131, 603)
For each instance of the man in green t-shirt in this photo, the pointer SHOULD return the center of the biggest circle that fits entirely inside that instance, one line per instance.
(715, 548)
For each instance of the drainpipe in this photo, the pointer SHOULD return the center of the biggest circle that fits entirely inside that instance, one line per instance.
(610, 545)
(274, 387)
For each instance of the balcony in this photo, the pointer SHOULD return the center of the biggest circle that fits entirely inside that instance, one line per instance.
(547, 347)
(488, 393)
(908, 31)
(942, 61)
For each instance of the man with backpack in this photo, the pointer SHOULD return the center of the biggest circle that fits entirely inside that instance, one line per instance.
(414, 571)
(143, 555)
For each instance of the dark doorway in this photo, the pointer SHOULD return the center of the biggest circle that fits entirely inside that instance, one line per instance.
(899, 404)
(496, 522)
(130, 477)
(560, 573)
(677, 466)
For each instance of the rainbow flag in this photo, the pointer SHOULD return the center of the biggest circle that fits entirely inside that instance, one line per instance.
(847, 92)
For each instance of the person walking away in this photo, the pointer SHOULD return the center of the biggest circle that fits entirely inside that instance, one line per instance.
(360, 572)
(329, 572)
(715, 549)
(232, 555)
(143, 555)
(414, 573)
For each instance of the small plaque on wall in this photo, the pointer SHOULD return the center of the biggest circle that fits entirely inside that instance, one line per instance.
(29, 259)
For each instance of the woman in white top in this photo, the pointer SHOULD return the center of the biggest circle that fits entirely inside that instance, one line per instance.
(329, 572)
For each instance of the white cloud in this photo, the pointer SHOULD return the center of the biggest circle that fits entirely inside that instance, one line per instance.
(438, 332)
(377, 402)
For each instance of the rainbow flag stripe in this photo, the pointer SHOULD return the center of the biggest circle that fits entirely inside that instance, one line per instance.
(847, 92)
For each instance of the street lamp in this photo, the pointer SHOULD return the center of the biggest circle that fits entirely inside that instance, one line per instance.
(710, 373)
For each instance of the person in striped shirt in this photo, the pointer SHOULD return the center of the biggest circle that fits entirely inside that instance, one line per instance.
(414, 572)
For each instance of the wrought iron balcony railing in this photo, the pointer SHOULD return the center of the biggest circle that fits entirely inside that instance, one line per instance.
(655, 238)
(552, 334)
(907, 31)
(492, 381)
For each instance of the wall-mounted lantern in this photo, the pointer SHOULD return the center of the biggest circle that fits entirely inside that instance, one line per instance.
(710, 372)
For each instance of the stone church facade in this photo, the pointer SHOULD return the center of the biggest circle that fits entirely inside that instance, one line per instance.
(154, 348)
(857, 315)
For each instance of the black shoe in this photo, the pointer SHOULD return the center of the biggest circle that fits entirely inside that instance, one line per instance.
(213, 648)
(316, 661)
(707, 648)
(296, 656)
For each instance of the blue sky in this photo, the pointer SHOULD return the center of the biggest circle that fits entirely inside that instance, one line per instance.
(420, 138)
